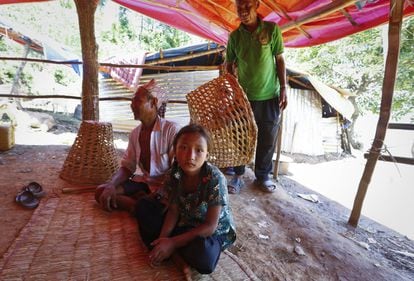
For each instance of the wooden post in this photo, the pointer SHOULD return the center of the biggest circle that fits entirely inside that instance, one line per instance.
(90, 90)
(394, 32)
(278, 148)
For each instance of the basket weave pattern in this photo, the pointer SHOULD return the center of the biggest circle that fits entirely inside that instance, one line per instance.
(221, 106)
(70, 238)
(92, 158)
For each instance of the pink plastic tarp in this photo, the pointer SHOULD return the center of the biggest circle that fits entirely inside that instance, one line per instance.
(215, 19)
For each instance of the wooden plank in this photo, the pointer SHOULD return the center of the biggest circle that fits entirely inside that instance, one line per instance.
(395, 159)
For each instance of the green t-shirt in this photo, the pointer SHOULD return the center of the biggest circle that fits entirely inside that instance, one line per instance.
(254, 54)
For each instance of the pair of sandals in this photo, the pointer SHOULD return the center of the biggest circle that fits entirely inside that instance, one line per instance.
(29, 196)
(236, 184)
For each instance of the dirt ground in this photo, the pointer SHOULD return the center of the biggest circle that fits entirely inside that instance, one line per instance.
(280, 236)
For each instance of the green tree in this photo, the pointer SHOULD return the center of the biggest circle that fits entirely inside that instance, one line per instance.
(132, 32)
(356, 63)
(156, 36)
(403, 102)
(118, 31)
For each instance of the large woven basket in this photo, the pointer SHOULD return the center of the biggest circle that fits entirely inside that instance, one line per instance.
(222, 107)
(92, 158)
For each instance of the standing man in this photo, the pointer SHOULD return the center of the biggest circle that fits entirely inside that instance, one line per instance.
(147, 157)
(255, 56)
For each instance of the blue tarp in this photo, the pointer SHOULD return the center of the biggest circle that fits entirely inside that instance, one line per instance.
(205, 60)
(50, 49)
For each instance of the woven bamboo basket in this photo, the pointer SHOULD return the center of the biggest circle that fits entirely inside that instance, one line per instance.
(92, 158)
(221, 106)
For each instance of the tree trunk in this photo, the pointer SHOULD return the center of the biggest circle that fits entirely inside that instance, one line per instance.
(16, 84)
(90, 90)
(352, 137)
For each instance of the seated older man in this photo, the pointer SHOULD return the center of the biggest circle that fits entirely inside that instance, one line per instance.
(147, 157)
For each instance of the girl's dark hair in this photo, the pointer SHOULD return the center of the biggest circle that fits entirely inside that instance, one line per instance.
(193, 128)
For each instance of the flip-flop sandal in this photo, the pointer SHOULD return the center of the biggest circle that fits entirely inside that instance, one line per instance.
(27, 199)
(268, 186)
(35, 188)
(234, 186)
(229, 171)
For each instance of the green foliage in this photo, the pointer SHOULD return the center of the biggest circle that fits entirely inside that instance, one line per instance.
(3, 46)
(135, 32)
(118, 31)
(67, 4)
(160, 36)
(6, 73)
(357, 63)
(26, 79)
(60, 77)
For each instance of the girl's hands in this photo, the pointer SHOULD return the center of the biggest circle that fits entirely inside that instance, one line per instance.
(163, 249)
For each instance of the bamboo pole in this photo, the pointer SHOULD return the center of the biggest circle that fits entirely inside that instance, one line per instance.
(144, 66)
(318, 13)
(394, 33)
(166, 68)
(39, 60)
(62, 97)
(69, 190)
(122, 98)
(186, 57)
(278, 148)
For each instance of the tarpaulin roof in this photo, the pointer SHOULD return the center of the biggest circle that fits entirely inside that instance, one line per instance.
(303, 22)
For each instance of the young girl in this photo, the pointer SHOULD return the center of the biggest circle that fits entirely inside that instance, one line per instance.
(198, 224)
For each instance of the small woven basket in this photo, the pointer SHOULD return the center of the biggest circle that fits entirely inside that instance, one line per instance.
(92, 158)
(222, 107)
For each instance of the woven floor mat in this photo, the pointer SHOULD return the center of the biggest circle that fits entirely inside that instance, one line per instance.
(70, 238)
